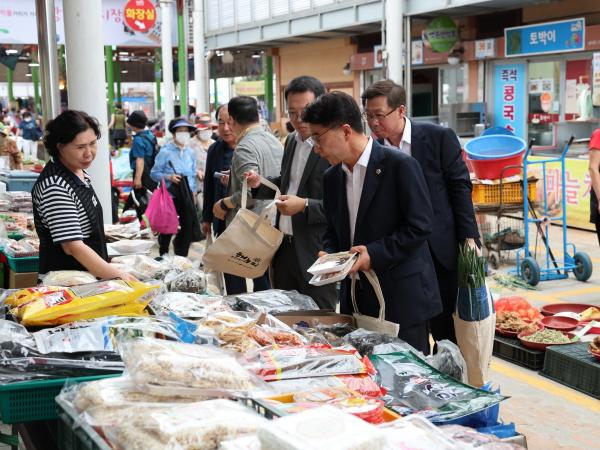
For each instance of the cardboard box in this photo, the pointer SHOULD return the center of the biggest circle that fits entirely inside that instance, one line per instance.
(22, 280)
(314, 317)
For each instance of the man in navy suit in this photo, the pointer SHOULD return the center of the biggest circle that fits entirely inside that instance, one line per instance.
(376, 204)
(438, 152)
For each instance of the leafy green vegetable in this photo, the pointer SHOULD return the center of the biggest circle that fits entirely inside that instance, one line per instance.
(471, 271)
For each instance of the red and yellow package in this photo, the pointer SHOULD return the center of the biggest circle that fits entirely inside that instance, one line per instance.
(79, 302)
(27, 295)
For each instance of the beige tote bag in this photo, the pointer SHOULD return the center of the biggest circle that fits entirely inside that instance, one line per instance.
(249, 242)
(376, 324)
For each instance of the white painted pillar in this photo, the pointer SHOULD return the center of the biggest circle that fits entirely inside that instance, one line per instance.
(166, 9)
(87, 83)
(200, 63)
(394, 39)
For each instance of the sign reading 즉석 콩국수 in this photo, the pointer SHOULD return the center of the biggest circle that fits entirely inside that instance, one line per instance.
(509, 98)
(549, 37)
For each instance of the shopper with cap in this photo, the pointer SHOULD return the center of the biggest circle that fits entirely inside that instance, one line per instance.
(8, 147)
(176, 165)
(200, 143)
(143, 151)
(144, 148)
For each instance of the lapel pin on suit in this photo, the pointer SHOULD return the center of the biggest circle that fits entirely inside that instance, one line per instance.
(378, 172)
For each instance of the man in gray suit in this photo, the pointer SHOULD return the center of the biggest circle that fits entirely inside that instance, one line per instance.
(300, 210)
(256, 150)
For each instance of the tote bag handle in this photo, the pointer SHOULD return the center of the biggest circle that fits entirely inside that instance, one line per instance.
(265, 212)
(372, 277)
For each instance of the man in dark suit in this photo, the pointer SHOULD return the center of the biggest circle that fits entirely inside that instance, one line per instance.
(376, 203)
(300, 211)
(439, 154)
(218, 164)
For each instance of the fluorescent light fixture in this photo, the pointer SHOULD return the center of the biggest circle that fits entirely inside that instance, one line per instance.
(124, 71)
(12, 51)
(34, 64)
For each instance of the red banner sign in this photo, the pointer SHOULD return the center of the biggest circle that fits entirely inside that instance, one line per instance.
(140, 15)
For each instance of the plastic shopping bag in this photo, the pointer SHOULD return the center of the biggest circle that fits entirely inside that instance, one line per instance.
(161, 213)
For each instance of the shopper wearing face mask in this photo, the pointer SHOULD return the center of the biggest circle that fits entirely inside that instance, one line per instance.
(31, 134)
(176, 164)
(201, 141)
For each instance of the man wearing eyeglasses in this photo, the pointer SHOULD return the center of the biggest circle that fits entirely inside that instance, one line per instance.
(377, 205)
(438, 152)
(300, 209)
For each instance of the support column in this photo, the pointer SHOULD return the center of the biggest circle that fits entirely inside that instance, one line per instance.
(408, 68)
(200, 70)
(393, 39)
(35, 77)
(10, 74)
(166, 7)
(269, 86)
(157, 75)
(48, 58)
(85, 72)
(216, 92)
(182, 59)
(117, 75)
(110, 78)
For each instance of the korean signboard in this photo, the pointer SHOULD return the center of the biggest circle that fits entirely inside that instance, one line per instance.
(550, 37)
(441, 34)
(253, 88)
(140, 15)
(509, 98)
(596, 80)
(135, 23)
(578, 185)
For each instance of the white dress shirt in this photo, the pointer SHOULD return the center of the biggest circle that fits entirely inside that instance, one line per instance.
(301, 154)
(354, 185)
(404, 146)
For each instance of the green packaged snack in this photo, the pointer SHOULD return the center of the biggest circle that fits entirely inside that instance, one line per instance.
(414, 387)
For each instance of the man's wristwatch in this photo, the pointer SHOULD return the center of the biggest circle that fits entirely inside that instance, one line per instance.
(306, 204)
(224, 206)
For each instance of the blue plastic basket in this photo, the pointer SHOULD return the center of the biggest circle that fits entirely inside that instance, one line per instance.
(497, 130)
(495, 146)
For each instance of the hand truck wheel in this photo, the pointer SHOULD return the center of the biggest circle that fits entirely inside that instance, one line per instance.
(530, 271)
(583, 266)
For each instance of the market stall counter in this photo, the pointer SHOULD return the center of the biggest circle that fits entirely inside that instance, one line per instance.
(191, 360)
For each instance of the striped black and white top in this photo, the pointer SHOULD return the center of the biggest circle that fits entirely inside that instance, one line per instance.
(60, 210)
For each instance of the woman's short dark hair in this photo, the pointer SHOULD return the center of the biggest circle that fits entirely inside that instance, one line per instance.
(394, 93)
(303, 84)
(334, 109)
(118, 105)
(66, 126)
(243, 109)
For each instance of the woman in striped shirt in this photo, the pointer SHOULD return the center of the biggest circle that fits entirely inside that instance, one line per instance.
(67, 213)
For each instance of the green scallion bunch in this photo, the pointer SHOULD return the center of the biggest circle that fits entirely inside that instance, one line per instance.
(471, 271)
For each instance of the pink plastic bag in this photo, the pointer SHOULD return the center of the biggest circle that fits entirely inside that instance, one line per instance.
(161, 213)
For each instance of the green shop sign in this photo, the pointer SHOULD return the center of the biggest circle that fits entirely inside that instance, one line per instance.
(441, 34)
